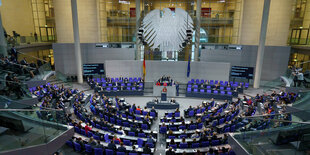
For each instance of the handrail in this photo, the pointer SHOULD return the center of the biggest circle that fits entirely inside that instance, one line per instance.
(8, 71)
(13, 82)
(280, 120)
(31, 56)
(266, 115)
(18, 64)
(31, 110)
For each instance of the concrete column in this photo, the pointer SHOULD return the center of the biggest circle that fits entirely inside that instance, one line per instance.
(77, 47)
(103, 21)
(3, 43)
(261, 46)
(197, 33)
(138, 48)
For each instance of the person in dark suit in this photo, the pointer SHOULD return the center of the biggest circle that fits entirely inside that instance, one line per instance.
(146, 149)
(133, 150)
(24, 62)
(92, 142)
(156, 100)
(14, 52)
(134, 129)
(112, 146)
(121, 148)
(170, 151)
(13, 58)
(99, 145)
(153, 110)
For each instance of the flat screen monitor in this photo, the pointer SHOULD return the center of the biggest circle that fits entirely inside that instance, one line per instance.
(93, 69)
(242, 72)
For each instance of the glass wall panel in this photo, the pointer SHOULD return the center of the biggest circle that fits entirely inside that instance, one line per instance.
(219, 18)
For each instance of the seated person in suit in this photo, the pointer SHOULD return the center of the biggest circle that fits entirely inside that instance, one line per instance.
(146, 149)
(121, 148)
(188, 110)
(172, 142)
(153, 110)
(134, 129)
(112, 146)
(99, 145)
(172, 100)
(133, 150)
(79, 140)
(170, 151)
(183, 141)
(92, 142)
(156, 100)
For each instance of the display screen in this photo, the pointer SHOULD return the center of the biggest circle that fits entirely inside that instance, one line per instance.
(93, 69)
(242, 72)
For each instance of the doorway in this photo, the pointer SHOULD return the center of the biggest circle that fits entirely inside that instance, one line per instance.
(299, 36)
(47, 34)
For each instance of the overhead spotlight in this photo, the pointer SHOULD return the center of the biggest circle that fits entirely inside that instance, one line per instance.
(140, 33)
(189, 34)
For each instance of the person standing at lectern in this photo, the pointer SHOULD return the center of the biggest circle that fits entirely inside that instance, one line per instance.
(165, 89)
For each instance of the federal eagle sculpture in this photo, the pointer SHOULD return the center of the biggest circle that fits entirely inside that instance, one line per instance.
(166, 31)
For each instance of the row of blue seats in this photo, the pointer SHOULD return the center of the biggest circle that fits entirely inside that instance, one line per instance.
(197, 145)
(118, 89)
(209, 87)
(32, 89)
(103, 80)
(96, 151)
(126, 142)
(212, 82)
(209, 91)
(122, 84)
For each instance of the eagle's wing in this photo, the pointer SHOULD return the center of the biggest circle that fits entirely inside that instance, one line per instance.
(150, 25)
(184, 22)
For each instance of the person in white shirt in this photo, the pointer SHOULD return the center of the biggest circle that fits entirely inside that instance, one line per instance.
(300, 78)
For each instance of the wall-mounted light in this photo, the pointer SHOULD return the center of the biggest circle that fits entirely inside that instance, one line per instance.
(123, 2)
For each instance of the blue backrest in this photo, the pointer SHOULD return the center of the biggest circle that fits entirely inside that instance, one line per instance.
(140, 142)
(205, 144)
(120, 153)
(127, 142)
(98, 151)
(77, 147)
(183, 145)
(88, 148)
(195, 145)
(109, 152)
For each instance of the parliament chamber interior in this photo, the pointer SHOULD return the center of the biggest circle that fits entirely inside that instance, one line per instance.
(154, 77)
